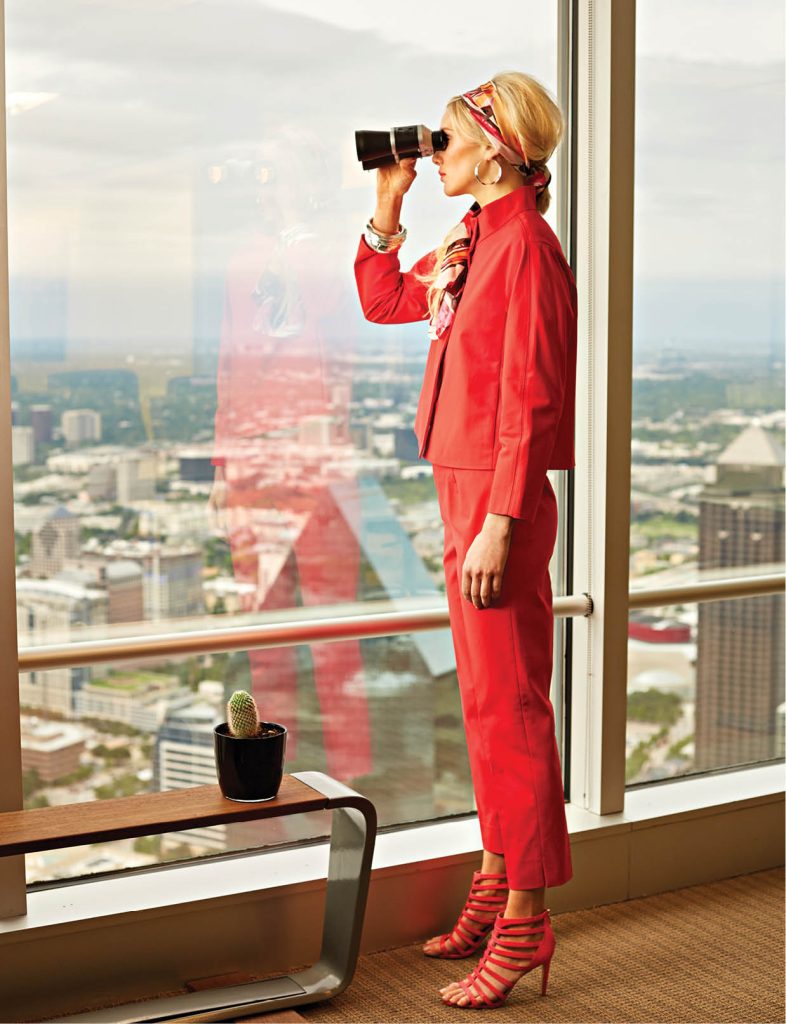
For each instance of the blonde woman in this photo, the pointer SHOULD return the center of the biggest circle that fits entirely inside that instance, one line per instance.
(496, 411)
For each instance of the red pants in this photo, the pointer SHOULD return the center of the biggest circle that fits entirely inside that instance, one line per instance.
(504, 661)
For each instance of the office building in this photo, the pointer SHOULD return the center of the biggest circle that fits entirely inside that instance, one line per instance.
(55, 611)
(55, 544)
(41, 422)
(22, 445)
(81, 426)
(740, 657)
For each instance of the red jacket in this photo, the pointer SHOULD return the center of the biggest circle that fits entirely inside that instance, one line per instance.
(499, 387)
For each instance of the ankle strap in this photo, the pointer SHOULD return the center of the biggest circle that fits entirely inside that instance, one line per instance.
(503, 921)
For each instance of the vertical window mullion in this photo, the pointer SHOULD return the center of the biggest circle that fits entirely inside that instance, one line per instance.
(13, 897)
(604, 127)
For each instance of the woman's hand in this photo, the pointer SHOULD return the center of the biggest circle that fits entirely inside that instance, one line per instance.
(481, 575)
(393, 180)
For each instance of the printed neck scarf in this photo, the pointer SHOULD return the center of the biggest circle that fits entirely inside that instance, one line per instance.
(453, 273)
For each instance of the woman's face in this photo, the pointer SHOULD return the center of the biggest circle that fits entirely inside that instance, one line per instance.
(456, 163)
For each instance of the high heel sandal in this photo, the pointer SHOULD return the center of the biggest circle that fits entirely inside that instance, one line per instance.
(508, 939)
(467, 937)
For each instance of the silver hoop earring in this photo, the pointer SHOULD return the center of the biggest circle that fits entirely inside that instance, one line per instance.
(499, 175)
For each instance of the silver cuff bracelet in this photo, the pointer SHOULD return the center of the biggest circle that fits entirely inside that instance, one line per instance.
(381, 242)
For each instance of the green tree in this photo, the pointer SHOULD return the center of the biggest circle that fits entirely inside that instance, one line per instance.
(23, 545)
(654, 705)
(126, 785)
(31, 781)
(112, 753)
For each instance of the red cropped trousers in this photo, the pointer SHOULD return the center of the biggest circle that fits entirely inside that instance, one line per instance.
(504, 660)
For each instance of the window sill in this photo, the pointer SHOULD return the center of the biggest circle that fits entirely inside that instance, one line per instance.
(161, 890)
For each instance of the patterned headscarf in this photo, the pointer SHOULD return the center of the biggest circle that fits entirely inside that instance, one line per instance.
(480, 103)
(460, 242)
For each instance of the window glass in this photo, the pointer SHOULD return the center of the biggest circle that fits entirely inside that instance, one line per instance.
(395, 732)
(705, 687)
(185, 204)
(707, 480)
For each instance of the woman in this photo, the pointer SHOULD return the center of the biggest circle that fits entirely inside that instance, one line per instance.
(496, 411)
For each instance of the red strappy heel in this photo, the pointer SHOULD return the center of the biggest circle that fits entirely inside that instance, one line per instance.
(488, 892)
(509, 940)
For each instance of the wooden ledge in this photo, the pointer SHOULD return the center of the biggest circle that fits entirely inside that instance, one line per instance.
(175, 810)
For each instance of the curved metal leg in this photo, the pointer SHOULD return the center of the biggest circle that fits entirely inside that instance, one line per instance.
(352, 837)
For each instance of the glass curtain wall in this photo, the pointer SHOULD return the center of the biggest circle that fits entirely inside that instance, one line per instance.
(705, 686)
(206, 431)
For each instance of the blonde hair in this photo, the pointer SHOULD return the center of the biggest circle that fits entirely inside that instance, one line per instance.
(527, 114)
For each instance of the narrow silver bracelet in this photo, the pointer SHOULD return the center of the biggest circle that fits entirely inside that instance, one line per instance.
(381, 242)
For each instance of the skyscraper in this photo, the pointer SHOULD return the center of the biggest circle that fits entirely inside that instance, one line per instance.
(55, 544)
(740, 655)
(41, 422)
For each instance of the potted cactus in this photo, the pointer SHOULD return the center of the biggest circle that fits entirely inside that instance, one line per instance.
(249, 753)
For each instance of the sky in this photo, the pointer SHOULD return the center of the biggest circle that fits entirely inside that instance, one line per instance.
(695, 31)
(118, 109)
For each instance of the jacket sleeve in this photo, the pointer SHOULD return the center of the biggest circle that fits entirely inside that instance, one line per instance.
(387, 295)
(532, 381)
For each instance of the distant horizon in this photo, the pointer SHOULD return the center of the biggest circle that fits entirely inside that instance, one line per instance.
(740, 311)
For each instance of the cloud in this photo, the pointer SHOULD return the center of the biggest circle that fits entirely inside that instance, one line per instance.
(143, 98)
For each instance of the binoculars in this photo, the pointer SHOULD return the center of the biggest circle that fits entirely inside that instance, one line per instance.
(375, 149)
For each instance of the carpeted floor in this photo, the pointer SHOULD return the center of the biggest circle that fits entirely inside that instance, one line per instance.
(708, 953)
(702, 955)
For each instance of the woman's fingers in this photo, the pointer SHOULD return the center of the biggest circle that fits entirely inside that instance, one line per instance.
(395, 179)
(481, 589)
(483, 569)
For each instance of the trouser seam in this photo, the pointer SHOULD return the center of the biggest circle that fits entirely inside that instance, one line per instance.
(519, 676)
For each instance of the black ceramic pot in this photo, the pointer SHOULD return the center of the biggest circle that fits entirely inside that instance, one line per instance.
(250, 769)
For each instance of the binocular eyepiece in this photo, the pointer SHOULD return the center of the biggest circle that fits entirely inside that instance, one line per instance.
(376, 149)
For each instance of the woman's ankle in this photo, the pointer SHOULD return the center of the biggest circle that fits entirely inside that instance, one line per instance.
(525, 902)
(493, 864)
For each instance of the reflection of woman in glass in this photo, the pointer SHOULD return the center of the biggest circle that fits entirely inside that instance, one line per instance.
(284, 480)
(496, 412)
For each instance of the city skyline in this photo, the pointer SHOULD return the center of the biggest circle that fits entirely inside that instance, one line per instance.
(184, 209)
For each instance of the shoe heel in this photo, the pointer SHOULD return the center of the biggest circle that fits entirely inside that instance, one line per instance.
(544, 983)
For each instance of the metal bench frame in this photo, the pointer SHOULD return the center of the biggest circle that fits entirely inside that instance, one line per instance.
(352, 836)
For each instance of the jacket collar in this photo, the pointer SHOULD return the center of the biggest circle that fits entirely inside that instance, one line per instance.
(485, 219)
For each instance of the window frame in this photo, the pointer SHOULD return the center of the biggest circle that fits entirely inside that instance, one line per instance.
(596, 89)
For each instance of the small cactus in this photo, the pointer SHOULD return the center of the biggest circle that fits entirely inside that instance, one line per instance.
(242, 715)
